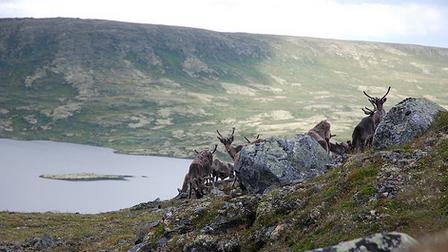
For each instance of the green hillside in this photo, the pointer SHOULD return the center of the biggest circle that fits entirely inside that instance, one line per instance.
(164, 90)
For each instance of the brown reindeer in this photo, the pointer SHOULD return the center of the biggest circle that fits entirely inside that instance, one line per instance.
(339, 148)
(199, 170)
(378, 104)
(232, 150)
(221, 170)
(321, 132)
(362, 136)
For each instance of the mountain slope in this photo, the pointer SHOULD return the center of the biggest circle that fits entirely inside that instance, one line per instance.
(165, 90)
(346, 203)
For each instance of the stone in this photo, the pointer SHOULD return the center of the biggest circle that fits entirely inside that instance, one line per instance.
(141, 247)
(42, 243)
(279, 161)
(405, 121)
(147, 205)
(385, 242)
(208, 243)
(9, 247)
(275, 234)
(234, 213)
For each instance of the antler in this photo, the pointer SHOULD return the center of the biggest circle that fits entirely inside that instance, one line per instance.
(367, 95)
(214, 150)
(258, 136)
(368, 111)
(386, 93)
(196, 151)
(247, 139)
(233, 131)
(219, 134)
(332, 136)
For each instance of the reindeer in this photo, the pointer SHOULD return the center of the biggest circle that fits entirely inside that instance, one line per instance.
(339, 148)
(221, 170)
(232, 150)
(363, 133)
(378, 104)
(199, 170)
(321, 132)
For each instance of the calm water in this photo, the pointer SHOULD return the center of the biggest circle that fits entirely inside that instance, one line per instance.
(21, 189)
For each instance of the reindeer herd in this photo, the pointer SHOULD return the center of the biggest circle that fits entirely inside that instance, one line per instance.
(205, 171)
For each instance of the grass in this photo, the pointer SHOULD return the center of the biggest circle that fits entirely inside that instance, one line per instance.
(85, 232)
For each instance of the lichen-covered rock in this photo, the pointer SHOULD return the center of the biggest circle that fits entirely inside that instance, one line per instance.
(208, 243)
(41, 243)
(281, 161)
(405, 121)
(234, 213)
(141, 247)
(385, 242)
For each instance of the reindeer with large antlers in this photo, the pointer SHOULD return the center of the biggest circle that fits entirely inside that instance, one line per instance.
(363, 133)
(200, 169)
(232, 150)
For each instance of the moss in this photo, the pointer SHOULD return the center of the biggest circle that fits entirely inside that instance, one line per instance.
(442, 150)
(158, 233)
(441, 123)
(207, 216)
(367, 191)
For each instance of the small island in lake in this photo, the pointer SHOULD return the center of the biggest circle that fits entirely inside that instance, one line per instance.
(84, 176)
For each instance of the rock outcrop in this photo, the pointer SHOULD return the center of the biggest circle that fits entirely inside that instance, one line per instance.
(405, 121)
(387, 242)
(279, 161)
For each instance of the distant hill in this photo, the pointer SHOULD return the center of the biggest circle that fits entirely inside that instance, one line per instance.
(164, 90)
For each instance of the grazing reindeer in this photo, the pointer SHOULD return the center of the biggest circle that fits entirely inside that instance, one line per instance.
(321, 132)
(199, 170)
(257, 140)
(231, 149)
(363, 133)
(221, 170)
(339, 148)
(378, 104)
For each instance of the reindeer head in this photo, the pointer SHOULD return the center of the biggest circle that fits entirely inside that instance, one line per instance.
(232, 150)
(226, 140)
(206, 154)
(377, 102)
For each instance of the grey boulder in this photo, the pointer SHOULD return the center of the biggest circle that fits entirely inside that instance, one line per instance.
(278, 161)
(405, 121)
(385, 242)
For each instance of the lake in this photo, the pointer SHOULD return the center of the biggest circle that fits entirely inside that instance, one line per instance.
(21, 189)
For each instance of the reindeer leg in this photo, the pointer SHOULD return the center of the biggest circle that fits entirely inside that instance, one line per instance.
(235, 178)
(189, 193)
